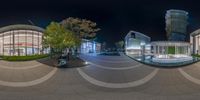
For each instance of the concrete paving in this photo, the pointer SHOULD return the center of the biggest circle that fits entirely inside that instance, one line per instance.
(23, 74)
(101, 80)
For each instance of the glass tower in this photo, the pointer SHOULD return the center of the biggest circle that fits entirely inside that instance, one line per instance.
(176, 25)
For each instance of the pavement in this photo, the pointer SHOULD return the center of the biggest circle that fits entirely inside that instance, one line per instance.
(104, 78)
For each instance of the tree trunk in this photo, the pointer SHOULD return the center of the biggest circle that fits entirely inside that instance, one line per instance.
(51, 50)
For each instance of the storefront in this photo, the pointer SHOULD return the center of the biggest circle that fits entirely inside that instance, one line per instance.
(21, 40)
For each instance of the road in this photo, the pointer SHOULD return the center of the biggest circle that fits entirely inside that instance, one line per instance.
(104, 78)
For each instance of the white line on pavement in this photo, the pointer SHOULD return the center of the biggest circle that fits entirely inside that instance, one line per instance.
(117, 85)
(112, 68)
(109, 61)
(25, 67)
(107, 58)
(29, 83)
(189, 77)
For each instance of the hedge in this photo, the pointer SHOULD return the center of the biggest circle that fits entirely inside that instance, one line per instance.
(195, 55)
(23, 58)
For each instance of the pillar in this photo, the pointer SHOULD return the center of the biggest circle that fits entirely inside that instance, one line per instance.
(197, 41)
(175, 49)
(13, 42)
(154, 50)
(194, 45)
(189, 51)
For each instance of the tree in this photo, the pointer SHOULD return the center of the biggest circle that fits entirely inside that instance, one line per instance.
(120, 44)
(81, 27)
(58, 38)
(103, 47)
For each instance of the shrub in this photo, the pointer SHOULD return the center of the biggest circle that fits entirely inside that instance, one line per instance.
(195, 55)
(24, 58)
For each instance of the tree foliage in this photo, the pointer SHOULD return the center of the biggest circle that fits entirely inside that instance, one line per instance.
(69, 33)
(81, 27)
(119, 44)
(57, 37)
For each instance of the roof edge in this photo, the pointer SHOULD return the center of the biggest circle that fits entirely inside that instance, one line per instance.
(20, 26)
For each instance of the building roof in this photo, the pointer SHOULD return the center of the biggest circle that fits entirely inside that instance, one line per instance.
(21, 26)
(171, 11)
(197, 32)
(135, 32)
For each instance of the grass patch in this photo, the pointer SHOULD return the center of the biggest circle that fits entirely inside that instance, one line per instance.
(23, 58)
(171, 50)
(195, 55)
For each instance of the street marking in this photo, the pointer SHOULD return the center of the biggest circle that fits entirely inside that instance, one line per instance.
(109, 61)
(29, 83)
(111, 68)
(117, 85)
(19, 68)
(108, 58)
(189, 77)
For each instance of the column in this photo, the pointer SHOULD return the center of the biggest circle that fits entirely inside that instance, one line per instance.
(13, 43)
(3, 44)
(193, 44)
(18, 51)
(25, 42)
(41, 44)
(10, 44)
(38, 43)
(197, 45)
(167, 51)
(189, 51)
(156, 50)
(175, 50)
(32, 44)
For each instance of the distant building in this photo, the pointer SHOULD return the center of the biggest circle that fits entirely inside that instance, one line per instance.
(88, 46)
(176, 49)
(195, 41)
(176, 24)
(137, 43)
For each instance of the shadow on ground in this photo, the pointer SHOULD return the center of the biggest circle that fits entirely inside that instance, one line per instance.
(72, 63)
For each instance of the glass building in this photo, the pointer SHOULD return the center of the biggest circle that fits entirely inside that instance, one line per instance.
(176, 24)
(176, 49)
(167, 49)
(21, 40)
(195, 42)
(88, 46)
(137, 43)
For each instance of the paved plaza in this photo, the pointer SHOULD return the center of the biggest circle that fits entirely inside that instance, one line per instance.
(104, 78)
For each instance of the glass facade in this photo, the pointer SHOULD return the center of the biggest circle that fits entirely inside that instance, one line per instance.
(20, 42)
(167, 49)
(195, 41)
(90, 46)
(137, 43)
(176, 24)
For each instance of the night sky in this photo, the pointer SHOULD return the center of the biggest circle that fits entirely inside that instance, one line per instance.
(114, 17)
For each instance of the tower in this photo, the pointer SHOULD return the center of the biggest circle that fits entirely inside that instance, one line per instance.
(176, 24)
